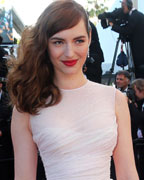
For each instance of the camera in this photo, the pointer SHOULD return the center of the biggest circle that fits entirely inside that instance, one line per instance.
(131, 94)
(117, 17)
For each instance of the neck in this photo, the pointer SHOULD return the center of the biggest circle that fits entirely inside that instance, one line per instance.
(70, 81)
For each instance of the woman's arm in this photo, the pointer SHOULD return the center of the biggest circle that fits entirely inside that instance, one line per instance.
(123, 153)
(25, 151)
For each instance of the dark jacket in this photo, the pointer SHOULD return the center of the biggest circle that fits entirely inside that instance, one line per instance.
(5, 119)
(5, 108)
(95, 52)
(137, 119)
(95, 48)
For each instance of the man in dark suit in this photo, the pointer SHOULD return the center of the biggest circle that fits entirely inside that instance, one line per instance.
(134, 29)
(95, 59)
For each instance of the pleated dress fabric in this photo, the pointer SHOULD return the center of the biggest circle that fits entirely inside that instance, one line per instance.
(76, 137)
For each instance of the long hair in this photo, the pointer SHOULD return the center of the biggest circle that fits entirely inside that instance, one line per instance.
(31, 82)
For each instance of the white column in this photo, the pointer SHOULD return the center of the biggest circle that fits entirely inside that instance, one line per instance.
(135, 4)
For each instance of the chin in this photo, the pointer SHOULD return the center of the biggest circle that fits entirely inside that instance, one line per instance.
(72, 71)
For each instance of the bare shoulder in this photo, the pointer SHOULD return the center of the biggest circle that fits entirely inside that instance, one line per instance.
(17, 114)
(122, 109)
(120, 96)
(20, 120)
(120, 102)
(25, 149)
(123, 153)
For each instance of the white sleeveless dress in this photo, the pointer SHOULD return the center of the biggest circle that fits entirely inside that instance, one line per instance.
(76, 137)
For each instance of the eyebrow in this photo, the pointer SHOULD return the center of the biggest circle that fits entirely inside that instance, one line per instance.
(120, 78)
(61, 39)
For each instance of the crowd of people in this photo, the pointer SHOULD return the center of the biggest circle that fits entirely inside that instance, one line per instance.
(6, 148)
(60, 116)
(134, 92)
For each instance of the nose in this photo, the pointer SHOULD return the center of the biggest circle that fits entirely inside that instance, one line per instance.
(69, 50)
(117, 81)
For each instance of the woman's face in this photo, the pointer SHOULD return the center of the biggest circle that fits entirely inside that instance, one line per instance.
(68, 50)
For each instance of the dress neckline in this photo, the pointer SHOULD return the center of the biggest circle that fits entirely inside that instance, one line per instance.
(75, 89)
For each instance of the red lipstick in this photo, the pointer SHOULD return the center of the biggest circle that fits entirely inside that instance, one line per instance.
(70, 62)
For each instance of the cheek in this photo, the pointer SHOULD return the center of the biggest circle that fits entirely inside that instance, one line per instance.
(83, 52)
(54, 53)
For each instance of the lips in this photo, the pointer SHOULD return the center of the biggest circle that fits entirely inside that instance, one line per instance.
(70, 62)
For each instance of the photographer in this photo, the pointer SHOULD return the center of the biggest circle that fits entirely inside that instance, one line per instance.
(136, 106)
(134, 30)
(117, 16)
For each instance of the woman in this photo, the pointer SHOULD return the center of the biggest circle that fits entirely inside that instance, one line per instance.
(75, 124)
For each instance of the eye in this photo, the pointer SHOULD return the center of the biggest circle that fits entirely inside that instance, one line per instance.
(80, 41)
(57, 42)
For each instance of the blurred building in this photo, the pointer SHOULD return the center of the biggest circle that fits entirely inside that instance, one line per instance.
(10, 23)
(17, 22)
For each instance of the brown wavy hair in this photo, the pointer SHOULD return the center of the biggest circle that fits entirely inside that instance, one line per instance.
(31, 81)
